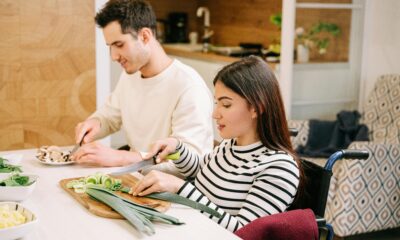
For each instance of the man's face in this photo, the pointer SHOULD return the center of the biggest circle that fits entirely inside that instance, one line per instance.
(131, 53)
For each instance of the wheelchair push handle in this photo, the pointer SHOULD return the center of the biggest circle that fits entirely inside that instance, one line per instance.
(355, 154)
(350, 154)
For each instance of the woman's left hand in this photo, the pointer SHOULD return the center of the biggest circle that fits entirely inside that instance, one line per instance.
(156, 181)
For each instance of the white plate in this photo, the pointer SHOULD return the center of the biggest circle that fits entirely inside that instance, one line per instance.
(56, 163)
(22, 230)
(45, 153)
(17, 193)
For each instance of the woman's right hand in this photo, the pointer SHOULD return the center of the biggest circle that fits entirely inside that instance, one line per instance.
(90, 126)
(163, 148)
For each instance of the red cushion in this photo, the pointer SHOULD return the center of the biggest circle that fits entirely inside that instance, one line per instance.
(295, 224)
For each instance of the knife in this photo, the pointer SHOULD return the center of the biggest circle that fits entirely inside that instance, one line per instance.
(77, 146)
(142, 164)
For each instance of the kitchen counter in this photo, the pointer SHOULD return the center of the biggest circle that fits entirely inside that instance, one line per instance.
(208, 57)
(211, 57)
(62, 217)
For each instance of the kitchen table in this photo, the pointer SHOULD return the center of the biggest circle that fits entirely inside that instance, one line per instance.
(62, 217)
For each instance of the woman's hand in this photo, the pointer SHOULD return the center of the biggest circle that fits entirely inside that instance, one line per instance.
(162, 148)
(156, 181)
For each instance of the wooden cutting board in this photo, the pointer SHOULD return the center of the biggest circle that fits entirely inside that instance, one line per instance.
(102, 210)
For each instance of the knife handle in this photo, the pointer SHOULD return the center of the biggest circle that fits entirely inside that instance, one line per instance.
(84, 135)
(174, 156)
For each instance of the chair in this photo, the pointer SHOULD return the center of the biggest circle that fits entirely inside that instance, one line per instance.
(364, 195)
(301, 221)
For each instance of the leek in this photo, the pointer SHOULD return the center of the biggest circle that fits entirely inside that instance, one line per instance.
(175, 198)
(139, 216)
(101, 179)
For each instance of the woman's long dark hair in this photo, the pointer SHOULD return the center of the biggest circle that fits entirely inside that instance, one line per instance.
(252, 79)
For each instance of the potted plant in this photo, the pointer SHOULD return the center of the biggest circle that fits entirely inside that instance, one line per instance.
(274, 49)
(307, 40)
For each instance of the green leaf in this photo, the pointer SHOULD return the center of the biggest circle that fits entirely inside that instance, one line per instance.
(8, 168)
(276, 19)
(15, 181)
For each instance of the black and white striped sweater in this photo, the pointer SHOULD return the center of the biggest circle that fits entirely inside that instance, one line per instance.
(242, 183)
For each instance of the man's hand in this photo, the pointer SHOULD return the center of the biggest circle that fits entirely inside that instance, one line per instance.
(90, 126)
(156, 181)
(97, 154)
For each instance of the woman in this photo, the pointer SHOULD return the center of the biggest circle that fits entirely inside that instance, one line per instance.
(253, 172)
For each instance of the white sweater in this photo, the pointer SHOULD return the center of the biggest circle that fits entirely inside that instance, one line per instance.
(242, 183)
(175, 103)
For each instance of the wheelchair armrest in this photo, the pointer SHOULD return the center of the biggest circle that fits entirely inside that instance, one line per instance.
(321, 222)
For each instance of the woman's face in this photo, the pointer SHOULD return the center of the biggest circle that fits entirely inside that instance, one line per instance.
(234, 116)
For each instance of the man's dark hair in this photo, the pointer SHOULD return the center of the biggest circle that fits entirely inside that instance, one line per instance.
(132, 15)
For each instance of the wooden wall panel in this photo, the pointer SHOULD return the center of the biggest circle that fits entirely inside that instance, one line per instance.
(236, 21)
(47, 71)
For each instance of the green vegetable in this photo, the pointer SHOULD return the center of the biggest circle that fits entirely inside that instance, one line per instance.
(175, 198)
(91, 179)
(16, 181)
(105, 182)
(139, 216)
(101, 179)
(7, 168)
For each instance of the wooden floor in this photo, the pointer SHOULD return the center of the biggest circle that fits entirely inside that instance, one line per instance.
(391, 234)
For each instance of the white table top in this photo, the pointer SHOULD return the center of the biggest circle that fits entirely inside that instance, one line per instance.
(62, 217)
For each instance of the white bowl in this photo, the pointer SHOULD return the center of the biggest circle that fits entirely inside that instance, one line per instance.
(17, 193)
(20, 230)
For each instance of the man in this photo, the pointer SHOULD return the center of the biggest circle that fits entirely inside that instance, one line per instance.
(155, 97)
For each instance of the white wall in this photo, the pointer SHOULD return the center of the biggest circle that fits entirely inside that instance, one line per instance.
(103, 68)
(381, 48)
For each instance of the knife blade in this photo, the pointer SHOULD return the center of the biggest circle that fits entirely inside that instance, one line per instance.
(77, 146)
(142, 164)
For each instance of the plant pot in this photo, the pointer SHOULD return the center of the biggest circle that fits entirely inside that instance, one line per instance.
(303, 53)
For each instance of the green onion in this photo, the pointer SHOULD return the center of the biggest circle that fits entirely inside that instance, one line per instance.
(175, 198)
(108, 182)
(91, 179)
(139, 216)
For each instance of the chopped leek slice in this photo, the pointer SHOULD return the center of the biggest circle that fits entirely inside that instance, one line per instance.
(108, 182)
(91, 179)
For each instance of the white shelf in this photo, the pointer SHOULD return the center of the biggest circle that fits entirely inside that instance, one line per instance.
(328, 5)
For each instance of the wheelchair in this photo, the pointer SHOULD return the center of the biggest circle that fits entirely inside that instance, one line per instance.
(317, 187)
(315, 193)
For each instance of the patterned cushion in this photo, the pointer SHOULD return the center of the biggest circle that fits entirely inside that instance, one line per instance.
(382, 110)
(302, 137)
